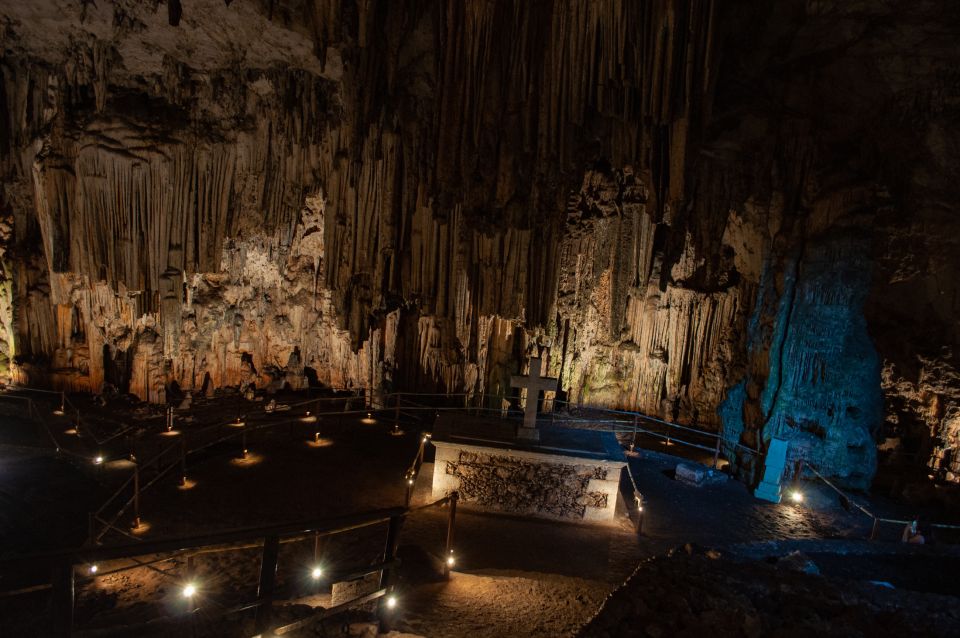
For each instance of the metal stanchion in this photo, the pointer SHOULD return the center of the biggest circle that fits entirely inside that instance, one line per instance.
(389, 554)
(183, 461)
(63, 596)
(136, 496)
(640, 514)
(268, 575)
(451, 522)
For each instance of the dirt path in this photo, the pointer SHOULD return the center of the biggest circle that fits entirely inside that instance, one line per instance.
(502, 603)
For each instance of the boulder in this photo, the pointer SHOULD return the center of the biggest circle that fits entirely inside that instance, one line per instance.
(698, 475)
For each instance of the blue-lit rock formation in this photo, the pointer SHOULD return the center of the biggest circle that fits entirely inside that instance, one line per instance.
(820, 387)
(729, 214)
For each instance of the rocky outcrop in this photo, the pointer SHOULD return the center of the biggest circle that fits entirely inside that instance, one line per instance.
(706, 593)
(728, 216)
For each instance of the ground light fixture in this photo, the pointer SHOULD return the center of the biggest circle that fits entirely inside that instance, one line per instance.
(451, 561)
(93, 568)
(98, 460)
(316, 573)
(796, 496)
(189, 590)
(61, 410)
(391, 602)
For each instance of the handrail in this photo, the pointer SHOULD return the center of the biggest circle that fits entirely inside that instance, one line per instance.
(33, 413)
(411, 407)
(61, 563)
(65, 402)
(411, 475)
(836, 489)
(467, 395)
(556, 402)
(90, 554)
(120, 489)
(876, 519)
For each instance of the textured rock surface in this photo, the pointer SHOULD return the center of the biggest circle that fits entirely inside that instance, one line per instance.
(700, 595)
(735, 216)
(510, 484)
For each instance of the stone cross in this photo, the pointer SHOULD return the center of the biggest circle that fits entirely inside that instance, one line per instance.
(534, 384)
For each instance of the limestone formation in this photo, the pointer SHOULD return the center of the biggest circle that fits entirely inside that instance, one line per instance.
(736, 215)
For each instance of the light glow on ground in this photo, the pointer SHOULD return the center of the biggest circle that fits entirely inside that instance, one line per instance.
(251, 459)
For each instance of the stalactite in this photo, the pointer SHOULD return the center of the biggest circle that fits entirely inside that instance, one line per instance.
(414, 195)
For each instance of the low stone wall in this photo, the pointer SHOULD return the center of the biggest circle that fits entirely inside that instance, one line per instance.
(528, 483)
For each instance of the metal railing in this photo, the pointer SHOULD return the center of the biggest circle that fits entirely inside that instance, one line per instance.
(877, 520)
(406, 405)
(61, 565)
(33, 413)
(566, 414)
(66, 407)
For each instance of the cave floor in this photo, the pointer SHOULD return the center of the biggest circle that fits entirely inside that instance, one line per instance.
(507, 563)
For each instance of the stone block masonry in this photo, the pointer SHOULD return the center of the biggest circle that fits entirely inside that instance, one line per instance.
(528, 483)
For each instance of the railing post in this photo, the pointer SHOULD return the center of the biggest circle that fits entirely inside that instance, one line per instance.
(268, 575)
(451, 523)
(874, 531)
(63, 593)
(389, 554)
(183, 461)
(639, 515)
(636, 419)
(136, 496)
(396, 412)
(716, 454)
(410, 479)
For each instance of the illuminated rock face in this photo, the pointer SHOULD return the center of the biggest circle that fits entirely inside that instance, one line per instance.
(419, 196)
(822, 385)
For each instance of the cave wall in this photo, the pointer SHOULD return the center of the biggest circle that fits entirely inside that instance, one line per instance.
(738, 216)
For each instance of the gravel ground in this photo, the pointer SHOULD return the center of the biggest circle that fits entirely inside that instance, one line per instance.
(489, 604)
(705, 594)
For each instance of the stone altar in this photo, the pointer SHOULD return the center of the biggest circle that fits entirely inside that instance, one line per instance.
(566, 474)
